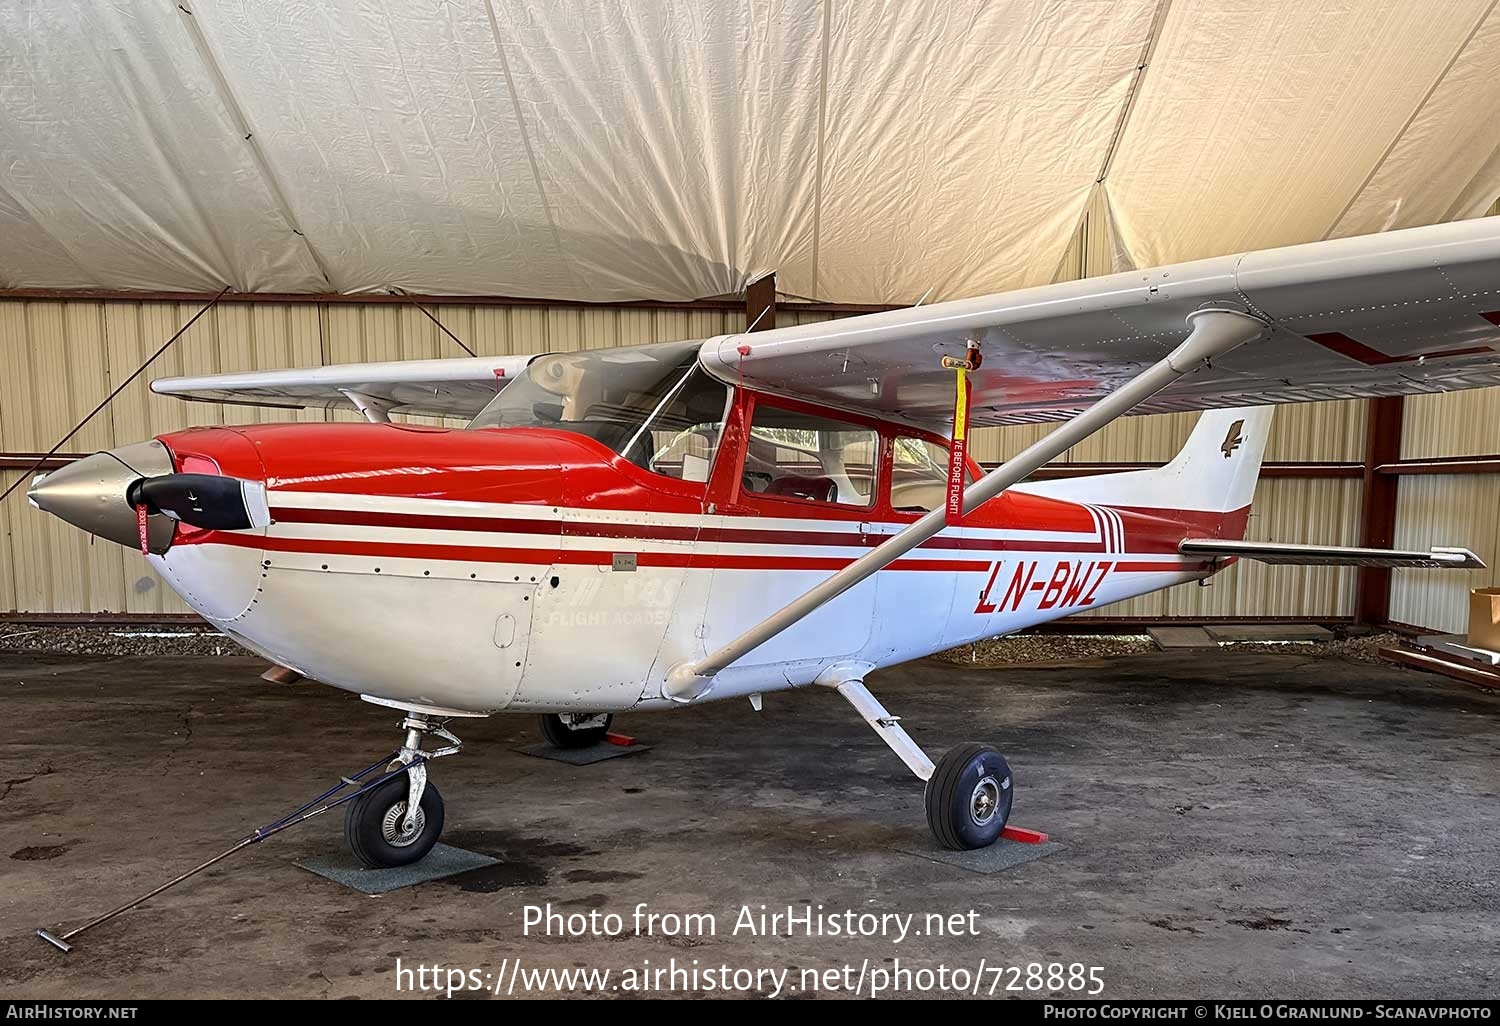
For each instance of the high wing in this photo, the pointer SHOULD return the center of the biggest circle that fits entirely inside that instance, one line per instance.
(1407, 311)
(1401, 312)
(442, 388)
(1284, 553)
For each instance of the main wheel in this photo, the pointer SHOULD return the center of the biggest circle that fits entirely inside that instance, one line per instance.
(375, 825)
(574, 730)
(969, 796)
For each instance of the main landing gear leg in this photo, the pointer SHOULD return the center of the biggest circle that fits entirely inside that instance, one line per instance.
(398, 822)
(969, 791)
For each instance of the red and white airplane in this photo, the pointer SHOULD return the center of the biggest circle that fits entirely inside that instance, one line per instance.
(655, 526)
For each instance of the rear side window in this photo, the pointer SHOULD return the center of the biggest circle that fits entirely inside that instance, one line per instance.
(794, 455)
(919, 475)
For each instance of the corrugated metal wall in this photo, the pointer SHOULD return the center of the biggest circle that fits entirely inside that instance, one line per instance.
(1447, 509)
(57, 358)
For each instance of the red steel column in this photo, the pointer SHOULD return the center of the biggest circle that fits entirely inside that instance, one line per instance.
(1372, 603)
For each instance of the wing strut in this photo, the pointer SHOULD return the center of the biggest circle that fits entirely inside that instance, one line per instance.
(1214, 332)
(376, 411)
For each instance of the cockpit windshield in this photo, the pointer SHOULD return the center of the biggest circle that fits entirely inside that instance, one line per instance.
(651, 404)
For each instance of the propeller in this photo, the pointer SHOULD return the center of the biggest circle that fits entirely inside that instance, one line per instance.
(208, 501)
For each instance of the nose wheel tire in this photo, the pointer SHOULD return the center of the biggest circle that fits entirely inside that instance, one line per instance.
(574, 730)
(969, 796)
(375, 824)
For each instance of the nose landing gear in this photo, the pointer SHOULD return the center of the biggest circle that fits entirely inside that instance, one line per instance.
(398, 822)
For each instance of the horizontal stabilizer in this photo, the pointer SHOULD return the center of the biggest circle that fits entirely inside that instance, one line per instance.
(1330, 555)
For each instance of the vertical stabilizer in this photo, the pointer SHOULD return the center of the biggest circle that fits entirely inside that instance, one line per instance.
(1218, 467)
(1216, 470)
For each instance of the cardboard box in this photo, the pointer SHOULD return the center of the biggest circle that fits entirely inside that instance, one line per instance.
(1484, 618)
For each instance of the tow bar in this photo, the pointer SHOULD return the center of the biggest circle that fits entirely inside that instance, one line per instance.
(310, 810)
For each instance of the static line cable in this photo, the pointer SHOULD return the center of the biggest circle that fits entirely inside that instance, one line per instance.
(758, 318)
(110, 398)
(444, 328)
(441, 326)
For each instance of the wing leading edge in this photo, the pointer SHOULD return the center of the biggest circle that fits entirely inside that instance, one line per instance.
(442, 388)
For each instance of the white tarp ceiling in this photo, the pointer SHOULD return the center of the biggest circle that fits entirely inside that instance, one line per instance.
(670, 149)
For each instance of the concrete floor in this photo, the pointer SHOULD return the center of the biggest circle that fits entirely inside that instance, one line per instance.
(1235, 825)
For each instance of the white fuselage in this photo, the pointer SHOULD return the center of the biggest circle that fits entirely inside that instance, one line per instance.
(592, 618)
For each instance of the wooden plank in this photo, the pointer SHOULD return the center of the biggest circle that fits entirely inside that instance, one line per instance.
(1269, 632)
(1436, 664)
(1170, 638)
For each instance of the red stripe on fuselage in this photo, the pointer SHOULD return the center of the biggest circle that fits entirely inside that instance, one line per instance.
(577, 557)
(645, 532)
(1144, 567)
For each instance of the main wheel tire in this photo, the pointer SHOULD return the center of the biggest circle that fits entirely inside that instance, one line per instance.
(969, 796)
(558, 734)
(373, 825)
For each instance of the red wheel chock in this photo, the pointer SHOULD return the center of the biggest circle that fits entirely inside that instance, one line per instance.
(623, 740)
(1024, 836)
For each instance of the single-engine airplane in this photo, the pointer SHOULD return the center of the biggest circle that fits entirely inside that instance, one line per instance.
(656, 526)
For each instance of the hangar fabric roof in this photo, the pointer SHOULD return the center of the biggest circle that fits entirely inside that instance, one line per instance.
(671, 149)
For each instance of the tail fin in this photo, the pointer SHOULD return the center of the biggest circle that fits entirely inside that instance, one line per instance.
(1215, 472)
(1218, 467)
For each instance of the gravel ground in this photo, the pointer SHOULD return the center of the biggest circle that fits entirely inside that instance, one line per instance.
(1355, 648)
(118, 640)
(1046, 648)
(1061, 648)
(201, 640)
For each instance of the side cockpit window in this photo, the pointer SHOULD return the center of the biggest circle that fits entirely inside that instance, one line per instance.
(686, 429)
(794, 455)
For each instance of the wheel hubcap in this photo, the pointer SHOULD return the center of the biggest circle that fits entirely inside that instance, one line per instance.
(985, 801)
(393, 825)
